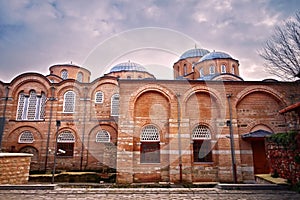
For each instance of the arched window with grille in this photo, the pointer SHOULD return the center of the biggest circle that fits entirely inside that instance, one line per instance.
(26, 137)
(31, 107)
(64, 74)
(103, 136)
(99, 97)
(150, 147)
(115, 105)
(69, 102)
(202, 150)
(80, 76)
(65, 142)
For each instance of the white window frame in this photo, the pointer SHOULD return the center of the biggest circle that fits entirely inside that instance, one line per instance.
(80, 76)
(26, 137)
(65, 101)
(223, 68)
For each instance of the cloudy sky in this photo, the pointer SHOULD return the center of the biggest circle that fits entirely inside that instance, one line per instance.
(35, 34)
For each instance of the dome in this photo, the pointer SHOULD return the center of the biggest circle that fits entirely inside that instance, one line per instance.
(128, 66)
(194, 53)
(215, 55)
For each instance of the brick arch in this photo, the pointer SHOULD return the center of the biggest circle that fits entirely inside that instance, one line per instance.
(165, 92)
(203, 89)
(30, 78)
(93, 87)
(249, 90)
(20, 129)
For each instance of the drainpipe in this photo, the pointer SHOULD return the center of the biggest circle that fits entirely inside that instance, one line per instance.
(83, 128)
(51, 99)
(179, 138)
(231, 140)
(2, 122)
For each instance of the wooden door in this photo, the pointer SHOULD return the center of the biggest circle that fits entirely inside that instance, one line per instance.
(261, 165)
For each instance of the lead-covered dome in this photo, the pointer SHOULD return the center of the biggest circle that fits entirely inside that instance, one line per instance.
(128, 66)
(194, 53)
(215, 55)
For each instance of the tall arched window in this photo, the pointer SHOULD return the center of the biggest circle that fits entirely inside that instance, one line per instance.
(184, 69)
(31, 107)
(65, 142)
(202, 150)
(232, 69)
(115, 105)
(223, 69)
(150, 148)
(64, 74)
(103, 136)
(69, 102)
(80, 76)
(201, 71)
(26, 137)
(99, 97)
(211, 69)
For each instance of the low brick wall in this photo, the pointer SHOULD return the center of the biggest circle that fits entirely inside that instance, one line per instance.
(14, 168)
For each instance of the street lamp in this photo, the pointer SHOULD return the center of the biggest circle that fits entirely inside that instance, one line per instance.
(55, 150)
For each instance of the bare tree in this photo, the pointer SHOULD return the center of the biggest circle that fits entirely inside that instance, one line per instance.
(282, 51)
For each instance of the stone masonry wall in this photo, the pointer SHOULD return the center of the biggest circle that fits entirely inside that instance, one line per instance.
(14, 168)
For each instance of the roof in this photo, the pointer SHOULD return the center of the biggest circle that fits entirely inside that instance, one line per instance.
(196, 52)
(256, 134)
(128, 66)
(290, 108)
(215, 55)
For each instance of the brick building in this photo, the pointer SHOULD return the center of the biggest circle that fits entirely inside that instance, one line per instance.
(207, 124)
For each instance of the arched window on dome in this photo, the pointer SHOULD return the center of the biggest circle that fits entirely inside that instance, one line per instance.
(201, 71)
(128, 77)
(233, 69)
(202, 150)
(212, 69)
(184, 69)
(150, 147)
(26, 137)
(80, 76)
(115, 105)
(103, 136)
(69, 102)
(65, 142)
(223, 68)
(64, 74)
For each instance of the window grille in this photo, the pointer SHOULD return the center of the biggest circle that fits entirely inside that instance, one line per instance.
(150, 134)
(201, 132)
(26, 137)
(21, 104)
(64, 74)
(103, 136)
(99, 97)
(66, 137)
(69, 102)
(31, 113)
(79, 76)
(115, 105)
(42, 106)
(31, 107)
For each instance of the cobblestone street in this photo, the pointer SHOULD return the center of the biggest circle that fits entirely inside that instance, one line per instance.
(153, 193)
